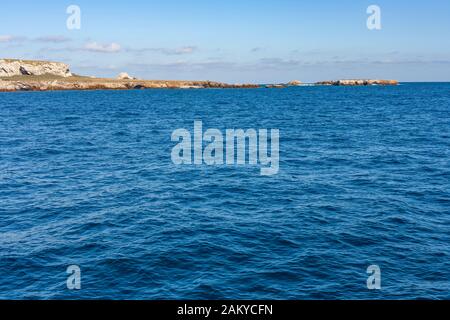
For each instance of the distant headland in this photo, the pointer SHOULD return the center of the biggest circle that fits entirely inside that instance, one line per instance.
(31, 75)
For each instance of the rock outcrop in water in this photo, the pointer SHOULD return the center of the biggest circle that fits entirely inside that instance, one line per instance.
(276, 86)
(358, 82)
(294, 83)
(11, 68)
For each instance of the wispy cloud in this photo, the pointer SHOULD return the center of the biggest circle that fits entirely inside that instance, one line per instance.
(5, 38)
(166, 51)
(53, 39)
(257, 49)
(10, 38)
(47, 39)
(100, 47)
(278, 63)
(265, 64)
(184, 50)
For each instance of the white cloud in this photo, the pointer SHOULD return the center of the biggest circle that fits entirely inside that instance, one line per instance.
(99, 47)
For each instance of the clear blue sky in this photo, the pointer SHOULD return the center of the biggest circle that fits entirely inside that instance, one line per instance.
(235, 41)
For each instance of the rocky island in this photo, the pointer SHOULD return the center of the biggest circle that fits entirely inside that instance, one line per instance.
(350, 82)
(30, 75)
(358, 82)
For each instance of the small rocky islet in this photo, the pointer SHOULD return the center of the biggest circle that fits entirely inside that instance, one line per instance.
(30, 75)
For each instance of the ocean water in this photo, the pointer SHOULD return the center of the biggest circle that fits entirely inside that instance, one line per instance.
(86, 179)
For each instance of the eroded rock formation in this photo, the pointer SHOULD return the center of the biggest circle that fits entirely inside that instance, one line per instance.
(12, 68)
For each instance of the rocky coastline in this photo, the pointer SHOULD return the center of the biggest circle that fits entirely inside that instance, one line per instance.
(26, 75)
(79, 83)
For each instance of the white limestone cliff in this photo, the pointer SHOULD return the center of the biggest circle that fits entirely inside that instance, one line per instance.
(11, 68)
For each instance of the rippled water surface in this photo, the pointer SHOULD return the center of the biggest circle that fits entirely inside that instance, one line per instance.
(86, 178)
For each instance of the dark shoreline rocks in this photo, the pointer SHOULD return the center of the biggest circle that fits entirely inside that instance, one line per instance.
(276, 86)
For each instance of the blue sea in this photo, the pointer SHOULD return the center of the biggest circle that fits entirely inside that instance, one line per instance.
(86, 179)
